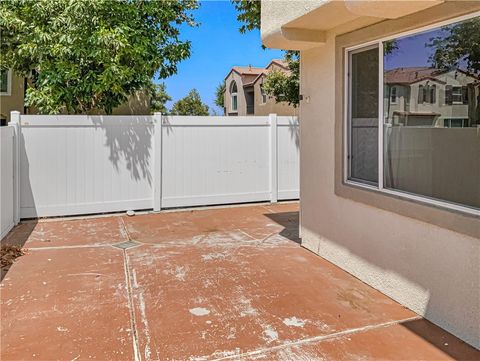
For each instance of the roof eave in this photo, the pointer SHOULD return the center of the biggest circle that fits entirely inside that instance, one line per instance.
(310, 24)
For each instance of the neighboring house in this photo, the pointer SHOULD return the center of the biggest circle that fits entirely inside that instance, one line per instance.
(424, 96)
(244, 94)
(12, 90)
(12, 95)
(398, 208)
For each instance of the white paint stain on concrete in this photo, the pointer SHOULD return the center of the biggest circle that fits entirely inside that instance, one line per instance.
(214, 256)
(199, 311)
(180, 273)
(293, 321)
(62, 329)
(270, 333)
(245, 307)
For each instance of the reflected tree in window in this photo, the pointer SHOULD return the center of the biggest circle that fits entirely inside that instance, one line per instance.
(459, 46)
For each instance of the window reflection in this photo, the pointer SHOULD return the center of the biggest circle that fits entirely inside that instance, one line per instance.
(432, 113)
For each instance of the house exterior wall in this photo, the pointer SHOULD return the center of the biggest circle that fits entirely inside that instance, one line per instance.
(241, 101)
(424, 257)
(271, 106)
(14, 101)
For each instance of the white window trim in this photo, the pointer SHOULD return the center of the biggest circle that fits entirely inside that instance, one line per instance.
(9, 84)
(346, 115)
(231, 102)
(461, 95)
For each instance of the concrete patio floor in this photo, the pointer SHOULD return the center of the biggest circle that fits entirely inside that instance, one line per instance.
(216, 284)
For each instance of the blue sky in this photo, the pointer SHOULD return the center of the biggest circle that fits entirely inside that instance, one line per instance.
(217, 45)
(413, 50)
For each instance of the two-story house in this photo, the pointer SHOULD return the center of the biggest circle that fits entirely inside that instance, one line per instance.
(425, 96)
(244, 94)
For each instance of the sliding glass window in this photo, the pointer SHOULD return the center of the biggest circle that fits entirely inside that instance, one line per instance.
(363, 115)
(430, 114)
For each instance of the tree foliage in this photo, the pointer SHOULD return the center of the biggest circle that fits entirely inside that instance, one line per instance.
(86, 56)
(190, 105)
(159, 98)
(389, 47)
(248, 14)
(220, 95)
(285, 87)
(458, 45)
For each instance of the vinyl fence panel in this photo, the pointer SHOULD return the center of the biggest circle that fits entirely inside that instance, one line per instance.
(288, 148)
(93, 164)
(85, 164)
(214, 160)
(7, 156)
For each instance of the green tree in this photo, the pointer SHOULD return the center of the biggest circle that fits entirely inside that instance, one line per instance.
(220, 95)
(458, 44)
(284, 87)
(248, 14)
(85, 56)
(159, 98)
(190, 105)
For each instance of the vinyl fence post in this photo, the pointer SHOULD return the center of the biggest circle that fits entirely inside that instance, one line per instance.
(273, 158)
(157, 159)
(17, 138)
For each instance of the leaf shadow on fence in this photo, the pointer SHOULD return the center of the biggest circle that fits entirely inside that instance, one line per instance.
(294, 129)
(130, 140)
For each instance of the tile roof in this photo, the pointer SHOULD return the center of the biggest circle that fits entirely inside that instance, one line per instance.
(410, 75)
(248, 70)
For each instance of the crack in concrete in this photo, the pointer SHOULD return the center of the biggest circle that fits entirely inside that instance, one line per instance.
(351, 331)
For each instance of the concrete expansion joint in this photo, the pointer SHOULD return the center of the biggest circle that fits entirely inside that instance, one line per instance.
(318, 338)
(68, 247)
(133, 323)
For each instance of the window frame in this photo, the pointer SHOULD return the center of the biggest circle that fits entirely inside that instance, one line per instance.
(263, 95)
(348, 111)
(393, 90)
(9, 84)
(457, 102)
(347, 52)
(233, 95)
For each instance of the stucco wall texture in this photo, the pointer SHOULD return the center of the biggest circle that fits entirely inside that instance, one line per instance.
(430, 269)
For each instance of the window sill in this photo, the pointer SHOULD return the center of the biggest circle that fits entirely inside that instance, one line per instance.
(458, 219)
(417, 198)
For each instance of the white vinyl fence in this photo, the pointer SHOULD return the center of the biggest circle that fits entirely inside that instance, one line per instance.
(92, 164)
(7, 180)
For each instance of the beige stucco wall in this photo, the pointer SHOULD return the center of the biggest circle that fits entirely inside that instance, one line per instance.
(241, 102)
(424, 257)
(14, 101)
(271, 106)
